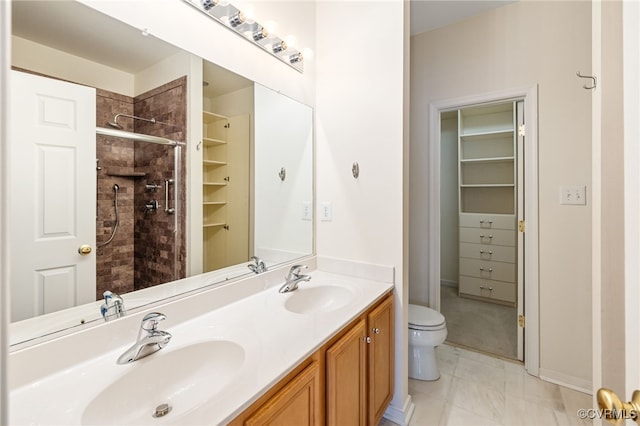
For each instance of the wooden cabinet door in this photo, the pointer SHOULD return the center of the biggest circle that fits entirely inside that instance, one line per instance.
(380, 323)
(346, 378)
(297, 403)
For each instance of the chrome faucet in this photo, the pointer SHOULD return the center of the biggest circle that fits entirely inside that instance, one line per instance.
(258, 266)
(113, 306)
(149, 340)
(294, 278)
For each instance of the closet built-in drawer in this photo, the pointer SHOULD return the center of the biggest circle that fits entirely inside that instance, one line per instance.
(487, 269)
(488, 252)
(487, 221)
(490, 289)
(499, 237)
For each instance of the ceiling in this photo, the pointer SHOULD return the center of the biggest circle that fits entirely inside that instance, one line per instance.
(427, 15)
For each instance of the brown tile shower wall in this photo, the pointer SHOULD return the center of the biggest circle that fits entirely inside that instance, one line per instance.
(154, 234)
(142, 252)
(114, 261)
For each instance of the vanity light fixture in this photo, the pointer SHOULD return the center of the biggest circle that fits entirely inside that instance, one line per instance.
(279, 47)
(235, 20)
(260, 34)
(296, 58)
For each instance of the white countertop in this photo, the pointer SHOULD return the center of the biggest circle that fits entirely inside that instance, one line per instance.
(274, 340)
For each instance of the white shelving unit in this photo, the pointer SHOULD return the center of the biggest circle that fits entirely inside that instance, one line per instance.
(214, 189)
(487, 199)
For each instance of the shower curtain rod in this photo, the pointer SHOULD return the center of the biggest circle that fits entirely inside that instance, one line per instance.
(135, 136)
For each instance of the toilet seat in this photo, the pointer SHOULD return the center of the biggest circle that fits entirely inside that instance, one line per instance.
(423, 318)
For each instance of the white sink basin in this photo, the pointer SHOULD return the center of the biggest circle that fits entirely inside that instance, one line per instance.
(320, 299)
(183, 378)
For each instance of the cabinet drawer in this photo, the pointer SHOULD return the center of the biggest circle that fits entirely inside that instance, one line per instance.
(487, 221)
(499, 237)
(488, 288)
(488, 270)
(488, 252)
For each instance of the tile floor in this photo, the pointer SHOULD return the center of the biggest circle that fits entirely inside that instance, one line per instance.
(476, 389)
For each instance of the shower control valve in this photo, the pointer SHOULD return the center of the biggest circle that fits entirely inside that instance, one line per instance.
(151, 206)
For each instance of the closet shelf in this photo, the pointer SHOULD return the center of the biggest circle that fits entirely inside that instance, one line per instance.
(213, 142)
(214, 163)
(214, 183)
(213, 225)
(214, 203)
(500, 132)
(210, 117)
(487, 160)
(488, 185)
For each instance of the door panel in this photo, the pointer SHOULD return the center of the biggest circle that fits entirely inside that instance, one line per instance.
(51, 196)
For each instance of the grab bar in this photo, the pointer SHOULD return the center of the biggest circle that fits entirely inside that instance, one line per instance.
(167, 210)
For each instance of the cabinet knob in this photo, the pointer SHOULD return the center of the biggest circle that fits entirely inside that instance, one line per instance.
(375, 330)
(367, 339)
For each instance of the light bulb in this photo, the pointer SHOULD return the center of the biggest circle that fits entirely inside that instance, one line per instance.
(291, 40)
(270, 26)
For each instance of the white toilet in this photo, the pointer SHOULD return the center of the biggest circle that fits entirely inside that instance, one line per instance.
(427, 329)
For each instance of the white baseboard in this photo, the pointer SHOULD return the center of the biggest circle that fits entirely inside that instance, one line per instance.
(571, 382)
(400, 415)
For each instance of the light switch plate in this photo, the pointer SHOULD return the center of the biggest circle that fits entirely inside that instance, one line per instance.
(326, 212)
(307, 210)
(574, 194)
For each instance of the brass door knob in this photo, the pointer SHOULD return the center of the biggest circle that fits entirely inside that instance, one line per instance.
(614, 410)
(84, 250)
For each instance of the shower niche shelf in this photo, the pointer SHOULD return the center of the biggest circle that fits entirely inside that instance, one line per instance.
(127, 174)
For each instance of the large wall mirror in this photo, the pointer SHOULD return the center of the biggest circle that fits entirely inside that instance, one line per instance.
(111, 210)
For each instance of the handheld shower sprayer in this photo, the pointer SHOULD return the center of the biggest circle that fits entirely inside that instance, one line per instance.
(116, 188)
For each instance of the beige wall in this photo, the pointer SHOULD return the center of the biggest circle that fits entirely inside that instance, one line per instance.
(520, 45)
(33, 56)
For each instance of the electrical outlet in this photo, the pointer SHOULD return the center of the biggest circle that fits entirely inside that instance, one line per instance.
(575, 194)
(307, 210)
(326, 213)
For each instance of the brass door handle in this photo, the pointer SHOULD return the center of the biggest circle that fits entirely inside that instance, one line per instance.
(614, 410)
(84, 250)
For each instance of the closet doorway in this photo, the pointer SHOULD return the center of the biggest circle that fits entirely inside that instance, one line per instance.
(480, 208)
(527, 261)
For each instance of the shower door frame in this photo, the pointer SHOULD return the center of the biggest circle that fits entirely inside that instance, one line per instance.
(530, 303)
(177, 173)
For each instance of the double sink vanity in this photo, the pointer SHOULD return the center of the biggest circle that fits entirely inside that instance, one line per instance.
(238, 353)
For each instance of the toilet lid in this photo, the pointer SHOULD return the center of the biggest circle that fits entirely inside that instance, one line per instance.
(422, 316)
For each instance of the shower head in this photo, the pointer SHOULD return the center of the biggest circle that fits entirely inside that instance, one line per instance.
(115, 124)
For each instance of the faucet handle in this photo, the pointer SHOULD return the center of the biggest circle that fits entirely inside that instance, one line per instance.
(295, 269)
(150, 321)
